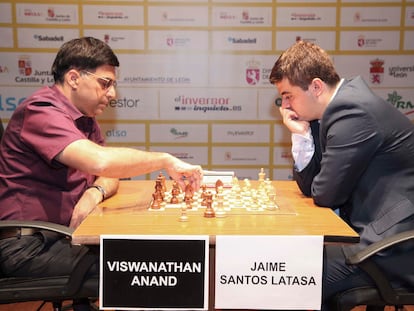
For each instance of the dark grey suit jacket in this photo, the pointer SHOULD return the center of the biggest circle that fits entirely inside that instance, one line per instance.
(367, 168)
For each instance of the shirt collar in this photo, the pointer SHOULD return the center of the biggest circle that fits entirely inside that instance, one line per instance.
(336, 90)
(65, 104)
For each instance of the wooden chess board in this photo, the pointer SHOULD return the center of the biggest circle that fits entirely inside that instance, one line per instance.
(240, 198)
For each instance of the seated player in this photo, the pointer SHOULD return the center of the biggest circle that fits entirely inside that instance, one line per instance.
(367, 161)
(54, 165)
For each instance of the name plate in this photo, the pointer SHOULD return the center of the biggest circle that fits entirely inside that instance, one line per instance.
(154, 272)
(269, 272)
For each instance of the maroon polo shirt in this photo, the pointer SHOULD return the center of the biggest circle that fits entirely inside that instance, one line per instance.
(33, 185)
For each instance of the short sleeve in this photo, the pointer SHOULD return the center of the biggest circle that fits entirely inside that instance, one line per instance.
(48, 130)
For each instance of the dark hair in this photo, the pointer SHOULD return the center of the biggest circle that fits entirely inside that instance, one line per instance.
(303, 62)
(85, 53)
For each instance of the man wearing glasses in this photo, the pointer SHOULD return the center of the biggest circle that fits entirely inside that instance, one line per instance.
(54, 165)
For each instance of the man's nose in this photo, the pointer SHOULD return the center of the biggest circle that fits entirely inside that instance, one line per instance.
(285, 103)
(111, 92)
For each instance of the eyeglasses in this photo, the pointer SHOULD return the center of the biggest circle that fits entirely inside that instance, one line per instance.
(106, 83)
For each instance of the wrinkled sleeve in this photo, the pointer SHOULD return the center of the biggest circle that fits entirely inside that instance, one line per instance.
(44, 124)
(352, 138)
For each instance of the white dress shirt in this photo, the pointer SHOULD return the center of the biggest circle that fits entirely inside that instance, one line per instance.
(303, 146)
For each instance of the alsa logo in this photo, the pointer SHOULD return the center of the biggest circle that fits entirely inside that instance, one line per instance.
(178, 134)
(10, 103)
(396, 100)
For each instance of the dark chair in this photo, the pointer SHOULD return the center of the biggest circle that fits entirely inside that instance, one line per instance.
(48, 289)
(383, 294)
(1, 129)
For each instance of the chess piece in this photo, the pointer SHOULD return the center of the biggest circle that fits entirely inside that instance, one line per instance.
(188, 196)
(203, 195)
(175, 191)
(219, 184)
(252, 203)
(209, 212)
(157, 196)
(161, 177)
(188, 202)
(262, 174)
(220, 204)
(237, 195)
(183, 216)
(189, 191)
(156, 200)
(158, 188)
(271, 204)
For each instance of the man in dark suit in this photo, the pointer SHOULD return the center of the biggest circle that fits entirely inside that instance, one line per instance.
(365, 167)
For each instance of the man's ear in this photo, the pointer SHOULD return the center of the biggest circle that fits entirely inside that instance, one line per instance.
(317, 86)
(72, 77)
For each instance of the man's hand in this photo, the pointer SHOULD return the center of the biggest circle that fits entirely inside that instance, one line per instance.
(183, 173)
(89, 200)
(290, 119)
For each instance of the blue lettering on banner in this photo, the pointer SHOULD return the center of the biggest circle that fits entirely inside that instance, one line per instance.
(10, 103)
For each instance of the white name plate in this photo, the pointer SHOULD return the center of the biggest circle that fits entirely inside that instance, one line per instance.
(269, 272)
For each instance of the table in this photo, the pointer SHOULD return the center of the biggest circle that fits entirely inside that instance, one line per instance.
(127, 213)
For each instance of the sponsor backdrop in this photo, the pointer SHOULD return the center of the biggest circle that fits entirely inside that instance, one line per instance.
(194, 74)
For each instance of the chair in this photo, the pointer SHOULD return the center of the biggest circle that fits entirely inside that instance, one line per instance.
(48, 289)
(383, 294)
(1, 129)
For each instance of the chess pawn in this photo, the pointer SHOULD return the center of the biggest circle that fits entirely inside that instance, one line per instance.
(268, 186)
(220, 205)
(174, 198)
(271, 204)
(183, 216)
(246, 186)
(234, 183)
(237, 195)
(254, 201)
(209, 212)
(188, 202)
(262, 174)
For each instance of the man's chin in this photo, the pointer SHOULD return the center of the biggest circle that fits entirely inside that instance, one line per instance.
(97, 113)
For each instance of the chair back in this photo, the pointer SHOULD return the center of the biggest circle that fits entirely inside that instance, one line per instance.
(1, 129)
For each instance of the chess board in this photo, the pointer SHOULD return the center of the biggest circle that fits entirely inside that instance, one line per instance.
(241, 197)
